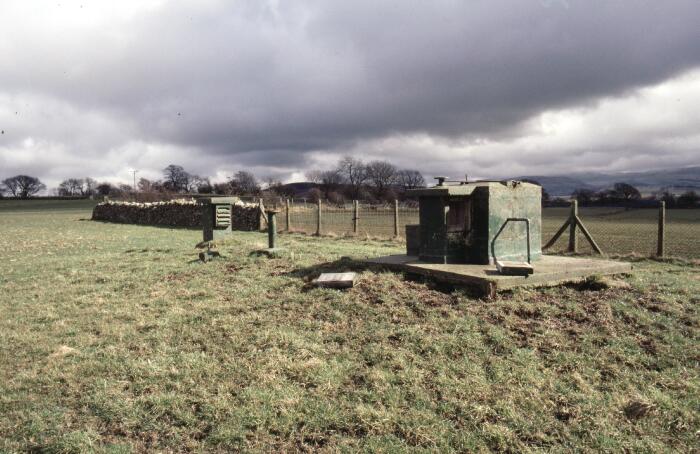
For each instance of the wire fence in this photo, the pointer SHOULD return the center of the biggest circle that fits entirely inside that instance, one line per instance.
(616, 230)
(622, 231)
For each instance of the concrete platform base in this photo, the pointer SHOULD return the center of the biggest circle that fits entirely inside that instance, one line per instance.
(549, 270)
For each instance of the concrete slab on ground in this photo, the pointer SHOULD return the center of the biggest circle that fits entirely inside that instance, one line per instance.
(548, 270)
(335, 280)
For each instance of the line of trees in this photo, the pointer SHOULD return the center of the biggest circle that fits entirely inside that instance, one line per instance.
(627, 195)
(177, 180)
(352, 178)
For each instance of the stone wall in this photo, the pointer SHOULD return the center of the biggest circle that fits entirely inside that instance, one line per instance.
(174, 213)
(245, 216)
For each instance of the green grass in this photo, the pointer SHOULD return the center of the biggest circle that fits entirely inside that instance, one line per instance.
(114, 338)
(15, 205)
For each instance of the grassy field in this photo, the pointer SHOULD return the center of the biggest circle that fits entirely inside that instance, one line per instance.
(114, 338)
(618, 231)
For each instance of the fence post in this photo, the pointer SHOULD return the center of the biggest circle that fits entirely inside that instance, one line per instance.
(660, 246)
(396, 218)
(573, 217)
(286, 215)
(355, 216)
(318, 219)
(261, 213)
(272, 229)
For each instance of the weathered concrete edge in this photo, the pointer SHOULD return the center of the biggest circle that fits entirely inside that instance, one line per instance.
(551, 279)
(491, 285)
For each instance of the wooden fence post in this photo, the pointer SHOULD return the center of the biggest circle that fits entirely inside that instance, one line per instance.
(261, 213)
(396, 218)
(355, 216)
(318, 219)
(286, 215)
(660, 246)
(573, 217)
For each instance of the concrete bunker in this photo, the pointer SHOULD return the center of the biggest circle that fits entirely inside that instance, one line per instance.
(459, 222)
(480, 234)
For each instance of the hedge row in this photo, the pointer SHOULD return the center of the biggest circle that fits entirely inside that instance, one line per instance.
(174, 213)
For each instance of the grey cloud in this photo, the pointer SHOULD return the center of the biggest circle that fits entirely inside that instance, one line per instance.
(266, 85)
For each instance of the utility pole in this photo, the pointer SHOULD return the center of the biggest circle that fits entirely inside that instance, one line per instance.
(133, 189)
(134, 172)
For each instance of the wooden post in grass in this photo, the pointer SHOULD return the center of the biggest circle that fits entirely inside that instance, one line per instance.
(660, 246)
(355, 216)
(286, 215)
(571, 223)
(396, 218)
(573, 243)
(261, 213)
(318, 219)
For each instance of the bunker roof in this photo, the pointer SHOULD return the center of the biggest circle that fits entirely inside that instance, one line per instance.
(465, 189)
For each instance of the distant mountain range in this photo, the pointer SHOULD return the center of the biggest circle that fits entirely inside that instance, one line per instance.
(673, 180)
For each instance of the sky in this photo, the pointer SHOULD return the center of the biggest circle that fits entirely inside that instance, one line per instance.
(488, 88)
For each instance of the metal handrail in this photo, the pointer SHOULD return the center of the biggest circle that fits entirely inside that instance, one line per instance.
(527, 225)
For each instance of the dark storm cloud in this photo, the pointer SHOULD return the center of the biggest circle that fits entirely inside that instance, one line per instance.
(267, 83)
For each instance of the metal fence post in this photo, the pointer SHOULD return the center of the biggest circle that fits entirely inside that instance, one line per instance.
(318, 219)
(271, 228)
(396, 218)
(355, 216)
(286, 216)
(660, 246)
(573, 218)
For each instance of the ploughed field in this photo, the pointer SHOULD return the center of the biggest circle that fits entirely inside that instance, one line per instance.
(115, 338)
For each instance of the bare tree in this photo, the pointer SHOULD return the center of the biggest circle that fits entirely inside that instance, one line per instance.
(89, 186)
(176, 178)
(354, 172)
(71, 187)
(22, 186)
(329, 181)
(314, 176)
(382, 175)
(411, 179)
(104, 189)
(193, 183)
(626, 192)
(145, 185)
(205, 186)
(244, 183)
(223, 188)
(584, 196)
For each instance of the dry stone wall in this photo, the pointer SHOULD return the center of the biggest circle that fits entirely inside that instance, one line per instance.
(174, 213)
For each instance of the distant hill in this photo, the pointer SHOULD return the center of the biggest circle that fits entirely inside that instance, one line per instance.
(300, 188)
(673, 180)
(558, 186)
